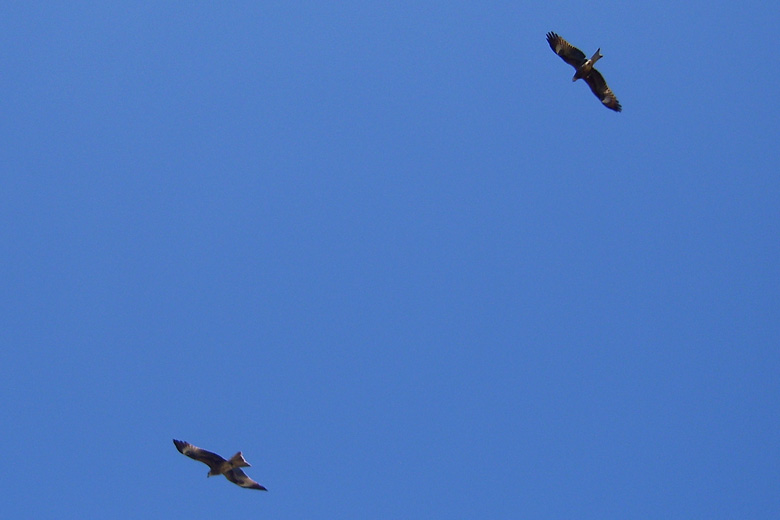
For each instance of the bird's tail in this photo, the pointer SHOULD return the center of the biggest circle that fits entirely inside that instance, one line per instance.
(238, 461)
(596, 56)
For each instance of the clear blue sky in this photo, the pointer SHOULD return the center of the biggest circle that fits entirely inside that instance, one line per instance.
(391, 252)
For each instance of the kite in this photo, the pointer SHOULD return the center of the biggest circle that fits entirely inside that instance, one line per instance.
(576, 58)
(219, 466)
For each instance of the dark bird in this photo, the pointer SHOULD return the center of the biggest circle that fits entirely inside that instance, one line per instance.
(576, 58)
(219, 466)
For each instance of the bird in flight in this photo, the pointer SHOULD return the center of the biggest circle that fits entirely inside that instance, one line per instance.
(218, 466)
(576, 58)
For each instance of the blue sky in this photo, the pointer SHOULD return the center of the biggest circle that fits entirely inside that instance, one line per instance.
(393, 254)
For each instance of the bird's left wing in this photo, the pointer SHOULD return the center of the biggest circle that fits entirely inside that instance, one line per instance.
(598, 85)
(238, 477)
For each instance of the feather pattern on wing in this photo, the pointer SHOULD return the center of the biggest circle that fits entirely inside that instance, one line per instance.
(599, 87)
(236, 476)
(568, 52)
(212, 460)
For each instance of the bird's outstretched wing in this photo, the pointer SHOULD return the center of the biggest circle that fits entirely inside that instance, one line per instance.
(212, 460)
(238, 477)
(599, 87)
(569, 53)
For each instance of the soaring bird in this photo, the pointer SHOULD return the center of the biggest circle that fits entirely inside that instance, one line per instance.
(576, 58)
(219, 466)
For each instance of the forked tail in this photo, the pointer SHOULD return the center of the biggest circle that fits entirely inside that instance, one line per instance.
(238, 461)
